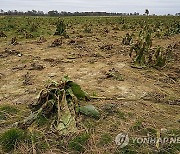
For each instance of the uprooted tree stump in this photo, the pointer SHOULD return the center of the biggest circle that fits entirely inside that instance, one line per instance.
(60, 103)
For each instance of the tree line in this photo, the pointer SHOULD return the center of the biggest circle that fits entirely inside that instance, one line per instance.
(64, 13)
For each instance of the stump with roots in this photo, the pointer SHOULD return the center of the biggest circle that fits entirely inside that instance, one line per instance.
(59, 103)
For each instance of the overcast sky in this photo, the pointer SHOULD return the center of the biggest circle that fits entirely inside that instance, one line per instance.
(155, 6)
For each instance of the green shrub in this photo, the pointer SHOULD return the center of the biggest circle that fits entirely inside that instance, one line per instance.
(60, 28)
(11, 138)
(160, 58)
(141, 49)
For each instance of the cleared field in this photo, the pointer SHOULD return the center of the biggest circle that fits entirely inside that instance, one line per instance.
(129, 66)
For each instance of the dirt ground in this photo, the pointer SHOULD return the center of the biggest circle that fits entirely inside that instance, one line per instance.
(149, 95)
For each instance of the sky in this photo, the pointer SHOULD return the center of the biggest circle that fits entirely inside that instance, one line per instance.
(159, 7)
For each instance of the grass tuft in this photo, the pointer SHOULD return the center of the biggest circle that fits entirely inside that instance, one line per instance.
(105, 139)
(77, 144)
(11, 138)
(8, 109)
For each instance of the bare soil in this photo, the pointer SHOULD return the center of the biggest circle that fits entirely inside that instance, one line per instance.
(149, 94)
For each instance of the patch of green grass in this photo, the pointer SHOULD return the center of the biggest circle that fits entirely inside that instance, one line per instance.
(77, 144)
(8, 109)
(121, 115)
(130, 114)
(137, 126)
(2, 116)
(131, 148)
(105, 139)
(11, 138)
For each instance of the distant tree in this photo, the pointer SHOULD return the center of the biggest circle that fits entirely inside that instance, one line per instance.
(9, 12)
(53, 13)
(15, 12)
(136, 14)
(1, 11)
(147, 12)
(40, 13)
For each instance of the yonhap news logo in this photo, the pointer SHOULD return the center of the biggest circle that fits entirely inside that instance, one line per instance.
(123, 139)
